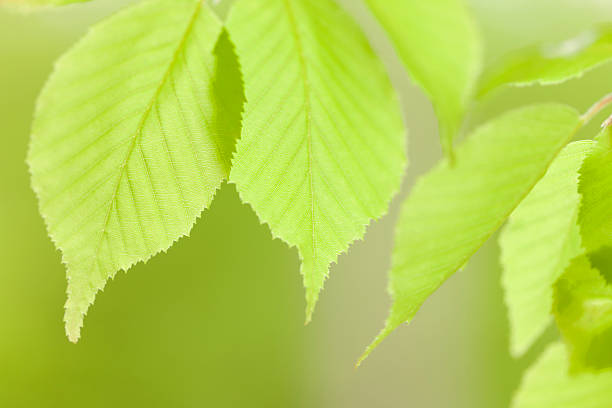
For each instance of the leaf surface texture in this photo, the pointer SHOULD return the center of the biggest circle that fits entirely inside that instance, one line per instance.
(540, 240)
(453, 210)
(130, 143)
(322, 149)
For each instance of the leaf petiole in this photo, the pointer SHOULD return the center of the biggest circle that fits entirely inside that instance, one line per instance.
(596, 108)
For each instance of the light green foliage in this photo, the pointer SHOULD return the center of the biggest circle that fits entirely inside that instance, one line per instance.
(538, 244)
(583, 310)
(135, 132)
(550, 64)
(547, 384)
(440, 46)
(130, 143)
(596, 189)
(322, 148)
(452, 211)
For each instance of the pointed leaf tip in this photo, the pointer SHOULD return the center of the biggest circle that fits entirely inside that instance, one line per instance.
(113, 187)
(382, 335)
(452, 211)
(319, 157)
(449, 33)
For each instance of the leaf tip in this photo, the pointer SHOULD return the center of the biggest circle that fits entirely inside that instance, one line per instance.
(384, 333)
(74, 317)
(74, 322)
(311, 302)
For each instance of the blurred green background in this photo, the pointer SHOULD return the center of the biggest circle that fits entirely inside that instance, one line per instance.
(218, 320)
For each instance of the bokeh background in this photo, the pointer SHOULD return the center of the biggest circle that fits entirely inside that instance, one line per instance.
(218, 320)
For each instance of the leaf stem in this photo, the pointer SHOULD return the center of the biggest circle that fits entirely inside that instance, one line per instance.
(598, 107)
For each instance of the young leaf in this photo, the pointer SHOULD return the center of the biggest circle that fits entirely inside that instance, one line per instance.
(452, 211)
(595, 217)
(322, 148)
(131, 139)
(550, 64)
(548, 384)
(441, 48)
(538, 244)
(583, 310)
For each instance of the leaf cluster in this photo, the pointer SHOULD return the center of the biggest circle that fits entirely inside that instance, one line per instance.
(144, 119)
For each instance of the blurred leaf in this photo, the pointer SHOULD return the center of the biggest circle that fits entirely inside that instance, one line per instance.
(323, 145)
(602, 261)
(550, 64)
(452, 211)
(583, 310)
(595, 186)
(538, 244)
(547, 384)
(129, 144)
(440, 47)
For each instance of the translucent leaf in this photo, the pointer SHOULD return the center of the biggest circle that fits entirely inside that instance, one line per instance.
(550, 64)
(323, 144)
(452, 211)
(596, 189)
(583, 310)
(441, 48)
(131, 139)
(538, 244)
(547, 384)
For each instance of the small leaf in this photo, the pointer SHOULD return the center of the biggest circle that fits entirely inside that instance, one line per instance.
(547, 384)
(595, 217)
(550, 64)
(452, 211)
(583, 310)
(538, 244)
(323, 144)
(441, 48)
(131, 139)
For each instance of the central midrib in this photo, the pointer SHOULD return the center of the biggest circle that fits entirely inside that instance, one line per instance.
(308, 110)
(138, 131)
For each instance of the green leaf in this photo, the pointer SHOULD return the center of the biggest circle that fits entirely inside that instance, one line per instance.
(441, 48)
(595, 217)
(602, 261)
(583, 310)
(538, 244)
(131, 139)
(452, 211)
(547, 384)
(323, 144)
(550, 64)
